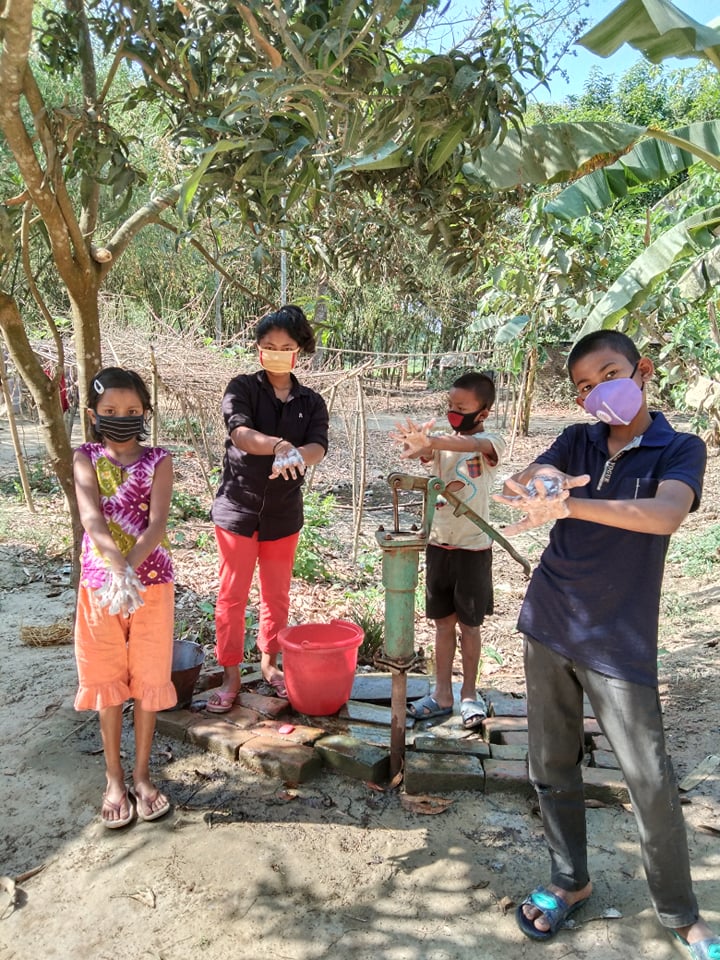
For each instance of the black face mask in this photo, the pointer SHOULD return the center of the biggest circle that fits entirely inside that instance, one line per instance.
(121, 429)
(463, 422)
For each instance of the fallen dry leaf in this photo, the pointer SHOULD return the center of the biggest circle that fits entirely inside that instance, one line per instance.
(506, 904)
(145, 896)
(706, 828)
(424, 803)
(396, 780)
(7, 897)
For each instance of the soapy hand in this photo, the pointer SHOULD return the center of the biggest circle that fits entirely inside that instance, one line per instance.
(543, 499)
(288, 464)
(121, 592)
(412, 438)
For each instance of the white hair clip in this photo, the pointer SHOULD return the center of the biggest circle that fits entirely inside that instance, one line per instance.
(99, 388)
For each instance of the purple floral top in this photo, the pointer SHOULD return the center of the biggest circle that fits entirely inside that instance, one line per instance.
(125, 504)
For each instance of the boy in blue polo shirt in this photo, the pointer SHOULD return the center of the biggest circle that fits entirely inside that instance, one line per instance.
(590, 620)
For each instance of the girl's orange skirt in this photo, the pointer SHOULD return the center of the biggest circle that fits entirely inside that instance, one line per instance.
(119, 659)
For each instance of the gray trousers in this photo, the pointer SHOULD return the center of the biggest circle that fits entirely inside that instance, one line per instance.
(630, 717)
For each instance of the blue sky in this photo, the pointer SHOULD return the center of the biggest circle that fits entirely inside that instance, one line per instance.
(579, 66)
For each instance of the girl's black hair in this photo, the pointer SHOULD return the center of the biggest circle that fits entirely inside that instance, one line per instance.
(292, 321)
(121, 379)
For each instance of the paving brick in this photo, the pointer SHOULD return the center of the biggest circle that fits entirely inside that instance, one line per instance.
(298, 734)
(434, 772)
(377, 687)
(495, 727)
(175, 723)
(369, 713)
(373, 733)
(354, 758)
(517, 738)
(591, 728)
(508, 776)
(601, 742)
(470, 747)
(505, 704)
(267, 706)
(277, 757)
(605, 785)
(605, 759)
(509, 751)
(217, 735)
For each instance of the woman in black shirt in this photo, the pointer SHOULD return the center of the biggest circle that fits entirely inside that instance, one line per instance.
(276, 428)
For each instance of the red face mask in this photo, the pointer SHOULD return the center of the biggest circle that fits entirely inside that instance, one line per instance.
(462, 422)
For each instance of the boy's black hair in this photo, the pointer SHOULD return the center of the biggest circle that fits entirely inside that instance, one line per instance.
(121, 379)
(480, 384)
(598, 340)
(293, 321)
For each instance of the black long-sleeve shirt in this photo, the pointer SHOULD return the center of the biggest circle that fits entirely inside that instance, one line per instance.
(247, 500)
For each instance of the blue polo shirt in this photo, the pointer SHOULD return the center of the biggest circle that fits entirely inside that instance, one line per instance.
(595, 596)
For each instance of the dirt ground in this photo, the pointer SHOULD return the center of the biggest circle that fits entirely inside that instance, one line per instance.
(246, 867)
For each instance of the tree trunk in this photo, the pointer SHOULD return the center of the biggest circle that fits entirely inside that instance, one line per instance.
(88, 350)
(47, 400)
(530, 379)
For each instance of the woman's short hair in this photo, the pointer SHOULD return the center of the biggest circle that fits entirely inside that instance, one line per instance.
(292, 321)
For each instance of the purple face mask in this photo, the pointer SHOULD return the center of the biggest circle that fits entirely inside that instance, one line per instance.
(615, 402)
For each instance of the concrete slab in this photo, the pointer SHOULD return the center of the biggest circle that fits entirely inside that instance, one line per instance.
(355, 759)
(506, 776)
(437, 773)
(471, 746)
(288, 761)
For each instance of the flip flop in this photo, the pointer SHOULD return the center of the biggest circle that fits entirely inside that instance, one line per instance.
(148, 802)
(225, 701)
(552, 907)
(702, 950)
(277, 685)
(427, 707)
(472, 713)
(116, 807)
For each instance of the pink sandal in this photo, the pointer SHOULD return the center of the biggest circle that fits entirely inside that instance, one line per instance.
(224, 701)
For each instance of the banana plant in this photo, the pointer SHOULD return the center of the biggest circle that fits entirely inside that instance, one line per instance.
(659, 30)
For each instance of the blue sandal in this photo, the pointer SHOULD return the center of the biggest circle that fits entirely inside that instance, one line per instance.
(552, 907)
(702, 950)
(427, 707)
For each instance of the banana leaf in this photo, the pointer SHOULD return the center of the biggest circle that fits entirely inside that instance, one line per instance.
(634, 285)
(655, 27)
(649, 161)
(549, 152)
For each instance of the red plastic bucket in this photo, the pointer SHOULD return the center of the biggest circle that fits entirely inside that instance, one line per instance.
(319, 661)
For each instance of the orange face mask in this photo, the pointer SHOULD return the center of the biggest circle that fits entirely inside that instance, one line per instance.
(278, 361)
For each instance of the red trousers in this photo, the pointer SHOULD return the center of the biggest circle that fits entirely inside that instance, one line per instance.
(238, 558)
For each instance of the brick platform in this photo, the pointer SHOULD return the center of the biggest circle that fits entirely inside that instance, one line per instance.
(265, 735)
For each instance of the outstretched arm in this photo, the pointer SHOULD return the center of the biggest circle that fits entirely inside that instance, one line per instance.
(661, 514)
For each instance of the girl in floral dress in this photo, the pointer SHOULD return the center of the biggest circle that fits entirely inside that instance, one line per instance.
(124, 622)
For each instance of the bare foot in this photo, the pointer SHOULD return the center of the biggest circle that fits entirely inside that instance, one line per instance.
(535, 915)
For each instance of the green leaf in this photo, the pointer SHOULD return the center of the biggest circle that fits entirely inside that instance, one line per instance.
(656, 28)
(550, 152)
(388, 157)
(447, 146)
(649, 161)
(634, 285)
(512, 330)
